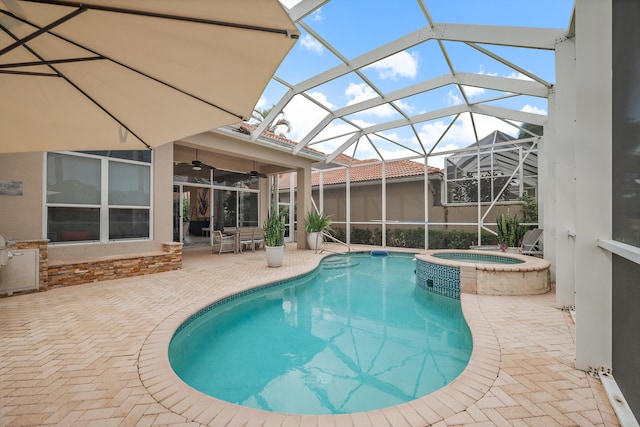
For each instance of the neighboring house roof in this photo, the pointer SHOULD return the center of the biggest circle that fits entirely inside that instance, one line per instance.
(360, 170)
(502, 160)
(363, 171)
(247, 128)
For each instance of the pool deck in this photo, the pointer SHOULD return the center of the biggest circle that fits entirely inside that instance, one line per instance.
(93, 355)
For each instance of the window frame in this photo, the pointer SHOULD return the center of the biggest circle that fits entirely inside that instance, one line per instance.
(104, 206)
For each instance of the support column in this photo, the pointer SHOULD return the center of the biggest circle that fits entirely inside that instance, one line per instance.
(303, 204)
(593, 183)
(547, 189)
(563, 148)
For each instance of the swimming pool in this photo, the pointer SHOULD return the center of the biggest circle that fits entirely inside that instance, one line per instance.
(342, 339)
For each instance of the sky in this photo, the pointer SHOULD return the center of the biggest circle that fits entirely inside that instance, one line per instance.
(353, 27)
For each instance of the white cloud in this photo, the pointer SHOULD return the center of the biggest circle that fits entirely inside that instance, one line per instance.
(533, 109)
(262, 103)
(519, 76)
(304, 115)
(401, 64)
(481, 71)
(321, 98)
(317, 16)
(453, 98)
(358, 93)
(461, 133)
(309, 43)
(472, 91)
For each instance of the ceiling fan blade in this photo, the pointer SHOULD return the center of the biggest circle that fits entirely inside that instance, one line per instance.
(255, 173)
(198, 165)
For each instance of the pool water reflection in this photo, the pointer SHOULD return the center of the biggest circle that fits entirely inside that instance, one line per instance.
(340, 340)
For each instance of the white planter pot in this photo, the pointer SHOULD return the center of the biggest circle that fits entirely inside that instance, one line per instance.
(314, 240)
(275, 254)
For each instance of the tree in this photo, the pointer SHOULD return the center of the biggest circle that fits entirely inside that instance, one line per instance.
(466, 191)
(280, 124)
(529, 209)
(535, 129)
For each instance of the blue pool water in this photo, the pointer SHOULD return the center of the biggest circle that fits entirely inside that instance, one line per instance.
(355, 335)
(477, 258)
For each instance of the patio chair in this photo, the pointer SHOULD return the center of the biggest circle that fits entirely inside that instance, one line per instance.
(246, 239)
(258, 238)
(531, 242)
(222, 242)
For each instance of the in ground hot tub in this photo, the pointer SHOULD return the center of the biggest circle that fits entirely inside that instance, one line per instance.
(449, 272)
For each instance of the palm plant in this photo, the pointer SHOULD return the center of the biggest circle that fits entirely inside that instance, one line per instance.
(280, 125)
(316, 222)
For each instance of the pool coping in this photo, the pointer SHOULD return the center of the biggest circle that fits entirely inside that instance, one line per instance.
(170, 391)
(529, 263)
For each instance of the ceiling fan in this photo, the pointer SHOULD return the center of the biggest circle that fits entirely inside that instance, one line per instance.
(255, 173)
(196, 164)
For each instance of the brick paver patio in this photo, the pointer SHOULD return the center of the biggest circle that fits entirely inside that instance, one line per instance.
(93, 355)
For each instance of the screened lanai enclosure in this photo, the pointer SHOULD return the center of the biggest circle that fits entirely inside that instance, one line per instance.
(383, 202)
(432, 118)
(463, 99)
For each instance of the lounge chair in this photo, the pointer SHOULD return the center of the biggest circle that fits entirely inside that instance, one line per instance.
(222, 243)
(531, 244)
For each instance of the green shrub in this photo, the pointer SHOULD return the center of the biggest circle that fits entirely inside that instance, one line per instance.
(413, 238)
(361, 236)
(339, 233)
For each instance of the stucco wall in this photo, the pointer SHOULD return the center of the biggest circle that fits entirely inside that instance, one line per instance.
(21, 217)
(405, 202)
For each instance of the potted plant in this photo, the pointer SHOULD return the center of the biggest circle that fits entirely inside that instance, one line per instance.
(510, 232)
(274, 238)
(315, 224)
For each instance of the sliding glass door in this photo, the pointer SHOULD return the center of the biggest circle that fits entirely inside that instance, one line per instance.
(204, 201)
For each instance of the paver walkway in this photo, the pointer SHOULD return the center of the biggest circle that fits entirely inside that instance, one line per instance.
(70, 356)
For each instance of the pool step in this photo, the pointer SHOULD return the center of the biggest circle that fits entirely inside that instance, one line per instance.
(339, 262)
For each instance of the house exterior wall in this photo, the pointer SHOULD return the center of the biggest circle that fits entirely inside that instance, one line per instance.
(404, 202)
(22, 217)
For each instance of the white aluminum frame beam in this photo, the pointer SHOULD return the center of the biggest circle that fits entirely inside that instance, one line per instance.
(535, 38)
(512, 86)
(437, 114)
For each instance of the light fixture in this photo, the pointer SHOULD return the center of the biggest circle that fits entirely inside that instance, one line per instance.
(196, 167)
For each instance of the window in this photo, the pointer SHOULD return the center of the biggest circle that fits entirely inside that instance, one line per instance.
(98, 198)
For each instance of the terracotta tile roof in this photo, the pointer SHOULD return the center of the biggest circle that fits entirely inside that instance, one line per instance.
(343, 159)
(366, 170)
(361, 170)
(246, 128)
